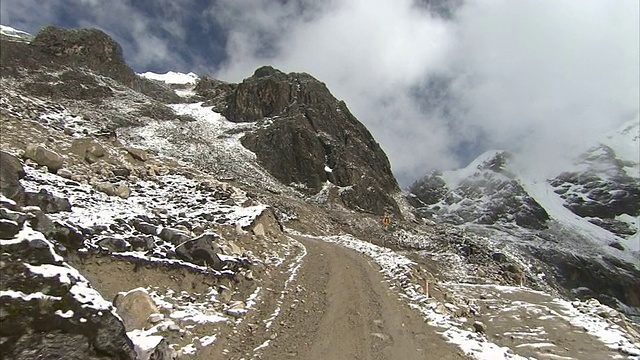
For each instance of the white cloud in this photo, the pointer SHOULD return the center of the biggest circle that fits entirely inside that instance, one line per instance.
(525, 75)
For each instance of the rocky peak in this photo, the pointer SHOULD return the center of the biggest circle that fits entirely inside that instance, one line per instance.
(266, 71)
(307, 137)
(90, 48)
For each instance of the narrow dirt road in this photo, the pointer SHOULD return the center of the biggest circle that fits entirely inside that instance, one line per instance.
(343, 309)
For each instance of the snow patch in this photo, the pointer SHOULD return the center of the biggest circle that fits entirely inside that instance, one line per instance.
(172, 77)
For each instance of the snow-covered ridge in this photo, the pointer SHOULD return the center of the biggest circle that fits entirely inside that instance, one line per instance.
(453, 178)
(14, 33)
(172, 77)
(625, 141)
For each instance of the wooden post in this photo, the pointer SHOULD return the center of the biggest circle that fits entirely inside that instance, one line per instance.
(426, 288)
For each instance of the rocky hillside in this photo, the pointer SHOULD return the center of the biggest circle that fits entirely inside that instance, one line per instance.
(306, 137)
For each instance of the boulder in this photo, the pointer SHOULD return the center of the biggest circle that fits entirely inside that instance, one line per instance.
(8, 229)
(47, 202)
(88, 149)
(67, 235)
(135, 307)
(119, 190)
(114, 244)
(54, 323)
(174, 236)
(123, 191)
(145, 227)
(200, 251)
(141, 243)
(65, 173)
(44, 157)
(11, 172)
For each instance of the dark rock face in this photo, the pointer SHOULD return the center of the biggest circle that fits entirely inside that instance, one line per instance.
(430, 189)
(73, 85)
(311, 137)
(89, 48)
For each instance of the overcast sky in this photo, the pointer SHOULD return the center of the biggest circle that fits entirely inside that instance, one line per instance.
(436, 82)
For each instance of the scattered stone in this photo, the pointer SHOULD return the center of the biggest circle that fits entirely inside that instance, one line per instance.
(249, 275)
(235, 249)
(258, 230)
(236, 309)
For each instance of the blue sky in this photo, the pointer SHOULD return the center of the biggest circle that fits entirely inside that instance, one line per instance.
(436, 82)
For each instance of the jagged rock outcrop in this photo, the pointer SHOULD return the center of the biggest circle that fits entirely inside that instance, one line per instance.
(200, 251)
(71, 51)
(308, 137)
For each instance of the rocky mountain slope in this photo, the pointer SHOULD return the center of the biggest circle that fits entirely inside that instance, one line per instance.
(165, 216)
(584, 221)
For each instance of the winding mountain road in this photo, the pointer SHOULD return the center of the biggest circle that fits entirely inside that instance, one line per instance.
(343, 309)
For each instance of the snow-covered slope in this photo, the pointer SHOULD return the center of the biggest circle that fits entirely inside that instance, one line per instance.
(172, 77)
(13, 34)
